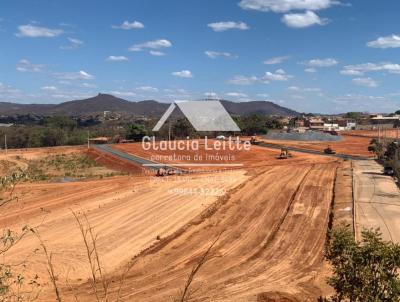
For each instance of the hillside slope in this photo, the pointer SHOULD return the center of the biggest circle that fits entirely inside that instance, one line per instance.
(106, 102)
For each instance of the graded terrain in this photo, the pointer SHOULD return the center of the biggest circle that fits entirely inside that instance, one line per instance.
(271, 215)
(348, 145)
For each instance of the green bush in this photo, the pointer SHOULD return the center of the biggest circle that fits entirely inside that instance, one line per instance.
(366, 271)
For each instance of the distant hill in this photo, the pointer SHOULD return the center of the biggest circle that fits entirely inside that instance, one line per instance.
(106, 102)
(260, 107)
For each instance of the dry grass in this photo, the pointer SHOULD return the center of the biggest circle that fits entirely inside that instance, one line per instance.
(50, 267)
(186, 292)
(97, 272)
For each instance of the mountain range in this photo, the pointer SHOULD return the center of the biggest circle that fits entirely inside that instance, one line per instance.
(107, 102)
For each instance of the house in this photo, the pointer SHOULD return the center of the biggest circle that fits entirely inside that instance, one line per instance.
(331, 127)
(379, 119)
(314, 124)
(99, 140)
(298, 123)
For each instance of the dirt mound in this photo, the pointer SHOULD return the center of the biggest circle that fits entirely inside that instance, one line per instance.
(113, 162)
(276, 297)
(273, 234)
(256, 157)
(349, 145)
(383, 133)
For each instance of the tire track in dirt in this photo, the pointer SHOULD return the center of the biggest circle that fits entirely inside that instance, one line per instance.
(290, 261)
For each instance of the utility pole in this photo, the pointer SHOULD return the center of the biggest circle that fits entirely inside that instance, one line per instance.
(379, 133)
(88, 139)
(385, 136)
(5, 142)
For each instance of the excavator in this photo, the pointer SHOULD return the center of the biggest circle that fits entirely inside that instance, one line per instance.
(254, 141)
(329, 150)
(285, 154)
(165, 172)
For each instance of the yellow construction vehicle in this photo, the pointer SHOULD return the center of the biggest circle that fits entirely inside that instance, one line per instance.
(329, 150)
(166, 172)
(285, 154)
(254, 141)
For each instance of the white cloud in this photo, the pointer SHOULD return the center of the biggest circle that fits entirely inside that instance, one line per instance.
(243, 80)
(147, 89)
(26, 66)
(237, 94)
(72, 95)
(123, 93)
(310, 70)
(351, 72)
(156, 53)
(366, 82)
(70, 76)
(33, 31)
(371, 103)
(155, 44)
(329, 62)
(183, 74)
(312, 89)
(309, 18)
(392, 41)
(263, 95)
(215, 54)
(49, 88)
(74, 44)
(7, 91)
(281, 6)
(129, 25)
(297, 97)
(276, 60)
(117, 59)
(279, 75)
(211, 95)
(223, 26)
(361, 69)
(89, 85)
(296, 88)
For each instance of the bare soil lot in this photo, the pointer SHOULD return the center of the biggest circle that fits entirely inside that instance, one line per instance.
(256, 157)
(127, 213)
(49, 164)
(349, 145)
(388, 133)
(273, 230)
(272, 218)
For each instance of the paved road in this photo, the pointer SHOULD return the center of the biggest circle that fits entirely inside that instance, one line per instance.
(129, 157)
(377, 200)
(308, 151)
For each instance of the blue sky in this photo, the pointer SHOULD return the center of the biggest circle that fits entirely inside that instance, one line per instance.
(310, 55)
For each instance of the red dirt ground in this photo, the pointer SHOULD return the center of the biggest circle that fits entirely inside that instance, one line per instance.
(349, 145)
(257, 157)
(273, 233)
(388, 133)
(272, 221)
(114, 162)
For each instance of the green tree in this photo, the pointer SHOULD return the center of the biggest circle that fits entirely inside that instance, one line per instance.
(62, 122)
(353, 115)
(377, 148)
(254, 124)
(135, 131)
(391, 150)
(182, 128)
(53, 137)
(366, 271)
